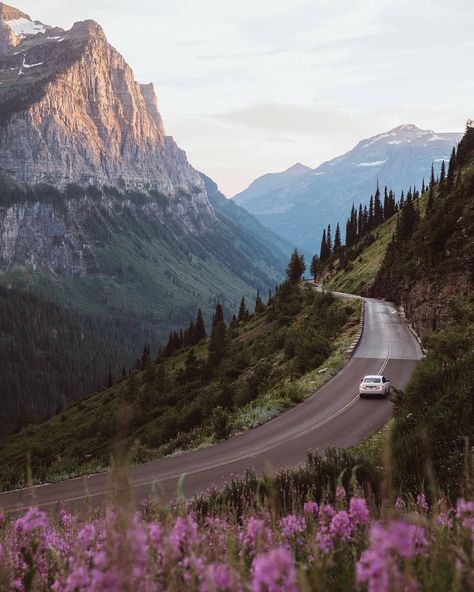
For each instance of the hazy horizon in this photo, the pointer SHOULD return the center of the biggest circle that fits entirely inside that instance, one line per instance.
(255, 88)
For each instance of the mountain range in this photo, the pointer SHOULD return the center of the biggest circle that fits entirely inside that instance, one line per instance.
(299, 202)
(86, 166)
(100, 211)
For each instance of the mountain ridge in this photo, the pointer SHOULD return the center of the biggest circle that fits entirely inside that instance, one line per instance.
(304, 206)
(100, 211)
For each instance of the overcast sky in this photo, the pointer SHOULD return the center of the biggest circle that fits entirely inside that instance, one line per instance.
(254, 86)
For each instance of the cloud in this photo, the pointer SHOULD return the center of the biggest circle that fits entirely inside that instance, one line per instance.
(287, 119)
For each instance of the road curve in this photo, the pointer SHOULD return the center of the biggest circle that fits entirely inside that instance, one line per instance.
(333, 416)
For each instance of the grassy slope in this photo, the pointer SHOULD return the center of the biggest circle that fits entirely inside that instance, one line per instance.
(364, 269)
(362, 272)
(80, 440)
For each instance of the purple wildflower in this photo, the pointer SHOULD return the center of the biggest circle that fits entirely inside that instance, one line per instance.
(358, 511)
(311, 508)
(422, 503)
(274, 572)
(292, 525)
(34, 519)
(340, 526)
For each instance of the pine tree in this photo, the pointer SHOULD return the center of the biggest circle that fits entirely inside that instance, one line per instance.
(451, 172)
(315, 265)
(430, 201)
(124, 372)
(408, 218)
(145, 356)
(259, 306)
(243, 311)
(189, 335)
(337, 240)
(360, 222)
(296, 267)
(217, 343)
(199, 328)
(323, 254)
(386, 204)
(401, 205)
(442, 180)
(370, 221)
(378, 208)
(218, 316)
(191, 367)
(329, 240)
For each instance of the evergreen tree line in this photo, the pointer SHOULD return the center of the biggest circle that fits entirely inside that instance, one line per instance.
(195, 333)
(444, 206)
(363, 220)
(51, 356)
(429, 264)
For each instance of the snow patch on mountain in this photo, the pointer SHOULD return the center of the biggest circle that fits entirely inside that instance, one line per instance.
(24, 27)
(371, 164)
(378, 138)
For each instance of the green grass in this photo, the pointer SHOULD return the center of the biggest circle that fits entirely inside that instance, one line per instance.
(363, 271)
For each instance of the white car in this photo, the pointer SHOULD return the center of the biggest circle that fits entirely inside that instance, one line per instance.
(374, 386)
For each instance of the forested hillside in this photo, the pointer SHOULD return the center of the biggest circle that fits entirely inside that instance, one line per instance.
(428, 268)
(52, 356)
(422, 259)
(199, 390)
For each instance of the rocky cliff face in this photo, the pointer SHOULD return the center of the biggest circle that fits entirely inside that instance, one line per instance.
(72, 112)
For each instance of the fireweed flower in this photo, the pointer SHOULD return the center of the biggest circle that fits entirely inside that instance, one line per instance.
(219, 576)
(274, 572)
(422, 503)
(33, 520)
(184, 535)
(292, 525)
(379, 567)
(311, 508)
(65, 519)
(256, 534)
(324, 539)
(340, 526)
(358, 511)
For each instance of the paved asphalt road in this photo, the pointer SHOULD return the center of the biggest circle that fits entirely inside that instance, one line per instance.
(333, 416)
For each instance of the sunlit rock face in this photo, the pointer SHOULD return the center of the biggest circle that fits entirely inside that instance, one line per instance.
(71, 111)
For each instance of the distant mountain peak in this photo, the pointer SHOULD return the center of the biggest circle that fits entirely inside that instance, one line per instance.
(406, 127)
(298, 207)
(298, 169)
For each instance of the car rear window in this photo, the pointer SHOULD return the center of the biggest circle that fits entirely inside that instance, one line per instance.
(372, 379)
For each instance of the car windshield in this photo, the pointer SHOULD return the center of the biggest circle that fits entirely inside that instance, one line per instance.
(372, 379)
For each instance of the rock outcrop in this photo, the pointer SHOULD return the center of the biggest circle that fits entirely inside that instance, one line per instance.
(71, 111)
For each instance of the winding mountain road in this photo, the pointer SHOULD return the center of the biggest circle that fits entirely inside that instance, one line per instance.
(332, 416)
